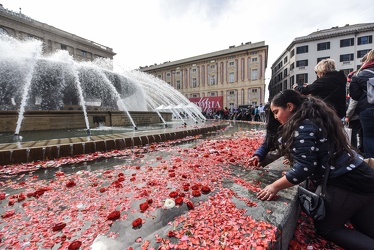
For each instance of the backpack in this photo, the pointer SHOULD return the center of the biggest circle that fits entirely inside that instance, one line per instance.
(370, 88)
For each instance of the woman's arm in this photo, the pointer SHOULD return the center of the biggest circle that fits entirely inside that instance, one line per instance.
(271, 190)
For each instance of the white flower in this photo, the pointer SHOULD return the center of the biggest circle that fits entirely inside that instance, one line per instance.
(169, 203)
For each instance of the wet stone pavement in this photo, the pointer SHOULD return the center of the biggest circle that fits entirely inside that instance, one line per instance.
(209, 172)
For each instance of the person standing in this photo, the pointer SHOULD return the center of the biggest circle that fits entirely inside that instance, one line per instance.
(312, 138)
(330, 86)
(365, 110)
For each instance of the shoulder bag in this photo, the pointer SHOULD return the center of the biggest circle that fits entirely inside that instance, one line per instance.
(313, 203)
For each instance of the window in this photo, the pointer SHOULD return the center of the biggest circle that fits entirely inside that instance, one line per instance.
(64, 47)
(195, 95)
(302, 63)
(285, 59)
(178, 84)
(302, 49)
(178, 73)
(231, 92)
(292, 53)
(212, 80)
(168, 74)
(346, 57)
(292, 66)
(159, 76)
(212, 94)
(285, 72)
(212, 66)
(194, 82)
(254, 59)
(232, 77)
(323, 46)
(83, 53)
(301, 78)
(361, 53)
(322, 58)
(254, 90)
(364, 40)
(254, 74)
(193, 70)
(231, 63)
(347, 42)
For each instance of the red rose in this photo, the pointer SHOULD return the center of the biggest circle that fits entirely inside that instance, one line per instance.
(102, 190)
(2, 196)
(196, 193)
(120, 179)
(75, 245)
(144, 206)
(137, 222)
(205, 189)
(121, 174)
(195, 187)
(11, 202)
(114, 215)
(173, 194)
(58, 226)
(182, 195)
(179, 201)
(70, 183)
(137, 167)
(184, 176)
(190, 205)
(172, 175)
(149, 201)
(171, 234)
(132, 179)
(186, 188)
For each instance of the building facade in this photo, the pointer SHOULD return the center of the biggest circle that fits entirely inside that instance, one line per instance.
(346, 45)
(229, 78)
(20, 26)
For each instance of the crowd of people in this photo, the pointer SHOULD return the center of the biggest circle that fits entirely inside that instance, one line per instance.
(305, 125)
(256, 113)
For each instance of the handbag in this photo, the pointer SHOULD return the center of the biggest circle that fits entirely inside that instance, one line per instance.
(313, 203)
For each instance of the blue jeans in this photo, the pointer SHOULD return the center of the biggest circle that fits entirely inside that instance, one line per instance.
(367, 123)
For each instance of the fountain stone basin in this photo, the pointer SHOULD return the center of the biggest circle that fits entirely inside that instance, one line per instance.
(73, 119)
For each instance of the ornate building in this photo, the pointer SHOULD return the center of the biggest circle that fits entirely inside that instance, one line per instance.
(20, 26)
(230, 78)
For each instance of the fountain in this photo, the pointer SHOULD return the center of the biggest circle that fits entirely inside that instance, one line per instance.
(56, 85)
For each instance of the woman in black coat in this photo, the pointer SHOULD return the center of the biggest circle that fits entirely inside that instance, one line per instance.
(330, 86)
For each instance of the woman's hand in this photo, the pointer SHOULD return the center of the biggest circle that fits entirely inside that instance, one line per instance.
(268, 193)
(254, 161)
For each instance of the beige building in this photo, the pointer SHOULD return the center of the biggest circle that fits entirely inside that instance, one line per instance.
(20, 26)
(230, 78)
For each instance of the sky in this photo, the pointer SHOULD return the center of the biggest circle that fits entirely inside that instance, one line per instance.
(145, 32)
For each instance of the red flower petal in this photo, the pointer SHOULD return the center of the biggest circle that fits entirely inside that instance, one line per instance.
(196, 193)
(190, 205)
(58, 226)
(75, 245)
(173, 194)
(179, 201)
(171, 234)
(114, 215)
(137, 222)
(70, 183)
(205, 189)
(143, 206)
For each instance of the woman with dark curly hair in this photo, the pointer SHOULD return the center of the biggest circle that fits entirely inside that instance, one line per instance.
(312, 137)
